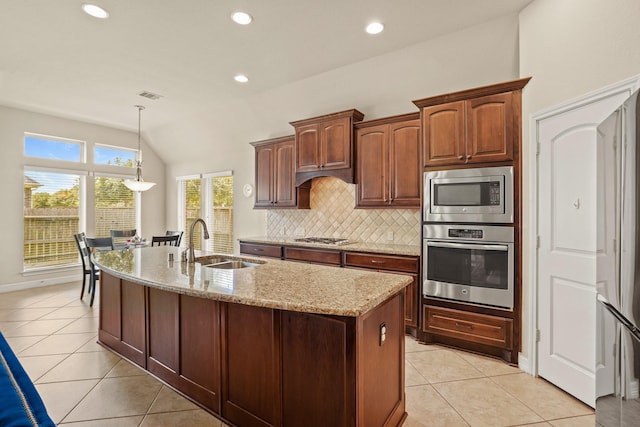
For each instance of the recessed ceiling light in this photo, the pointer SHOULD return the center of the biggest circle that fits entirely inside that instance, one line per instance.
(374, 28)
(95, 11)
(241, 78)
(241, 18)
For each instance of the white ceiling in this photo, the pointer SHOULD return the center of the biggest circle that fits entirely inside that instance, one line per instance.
(56, 59)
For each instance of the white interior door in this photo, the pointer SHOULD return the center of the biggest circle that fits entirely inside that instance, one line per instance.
(568, 246)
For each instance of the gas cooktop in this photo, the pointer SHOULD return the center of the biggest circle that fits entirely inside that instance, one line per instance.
(323, 240)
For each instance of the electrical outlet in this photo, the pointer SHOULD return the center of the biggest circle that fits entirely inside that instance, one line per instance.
(383, 333)
(389, 235)
(282, 231)
(300, 231)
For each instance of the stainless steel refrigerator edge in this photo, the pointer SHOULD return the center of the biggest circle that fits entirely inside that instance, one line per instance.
(618, 268)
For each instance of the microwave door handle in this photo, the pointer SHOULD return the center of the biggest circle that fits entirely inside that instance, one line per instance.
(471, 246)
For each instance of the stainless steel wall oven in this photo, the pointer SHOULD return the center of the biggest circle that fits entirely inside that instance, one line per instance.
(469, 263)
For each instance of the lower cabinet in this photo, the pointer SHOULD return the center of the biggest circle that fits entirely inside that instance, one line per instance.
(316, 256)
(408, 265)
(257, 249)
(256, 366)
(484, 333)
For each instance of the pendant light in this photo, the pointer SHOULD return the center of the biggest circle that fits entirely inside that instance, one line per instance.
(138, 184)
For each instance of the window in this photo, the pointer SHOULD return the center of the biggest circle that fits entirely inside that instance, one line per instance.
(51, 217)
(47, 147)
(106, 155)
(55, 200)
(209, 197)
(115, 206)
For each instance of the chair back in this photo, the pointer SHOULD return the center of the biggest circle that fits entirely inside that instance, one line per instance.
(82, 250)
(120, 237)
(99, 243)
(175, 233)
(165, 240)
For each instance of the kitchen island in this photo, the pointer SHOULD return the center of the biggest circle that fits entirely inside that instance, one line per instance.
(276, 343)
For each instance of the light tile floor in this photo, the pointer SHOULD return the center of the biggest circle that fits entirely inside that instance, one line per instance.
(54, 335)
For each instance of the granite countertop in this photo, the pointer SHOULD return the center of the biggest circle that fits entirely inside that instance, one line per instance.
(275, 284)
(382, 248)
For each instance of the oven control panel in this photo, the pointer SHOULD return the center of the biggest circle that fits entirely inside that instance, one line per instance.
(465, 233)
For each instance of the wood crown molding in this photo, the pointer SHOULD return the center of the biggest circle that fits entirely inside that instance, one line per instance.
(509, 86)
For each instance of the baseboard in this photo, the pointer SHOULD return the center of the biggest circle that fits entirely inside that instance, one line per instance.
(11, 287)
(523, 363)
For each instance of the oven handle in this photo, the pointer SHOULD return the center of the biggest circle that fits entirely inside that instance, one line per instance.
(471, 246)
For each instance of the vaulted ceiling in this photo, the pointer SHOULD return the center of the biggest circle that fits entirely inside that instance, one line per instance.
(56, 59)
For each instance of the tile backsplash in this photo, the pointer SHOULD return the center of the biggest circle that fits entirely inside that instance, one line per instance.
(333, 214)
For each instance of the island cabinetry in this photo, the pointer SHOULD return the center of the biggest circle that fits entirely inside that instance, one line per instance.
(184, 343)
(394, 264)
(479, 125)
(318, 256)
(122, 318)
(257, 249)
(324, 146)
(388, 167)
(251, 365)
(275, 175)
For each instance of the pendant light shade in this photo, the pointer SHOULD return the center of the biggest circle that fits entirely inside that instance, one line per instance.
(138, 184)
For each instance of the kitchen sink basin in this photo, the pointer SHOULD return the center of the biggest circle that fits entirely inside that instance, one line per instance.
(226, 263)
(232, 264)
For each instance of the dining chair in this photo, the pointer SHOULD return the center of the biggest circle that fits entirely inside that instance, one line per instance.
(84, 257)
(120, 237)
(96, 244)
(165, 240)
(175, 233)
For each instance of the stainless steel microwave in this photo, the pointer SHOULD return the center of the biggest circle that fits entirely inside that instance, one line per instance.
(479, 195)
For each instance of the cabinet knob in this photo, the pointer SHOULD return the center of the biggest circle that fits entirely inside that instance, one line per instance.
(460, 157)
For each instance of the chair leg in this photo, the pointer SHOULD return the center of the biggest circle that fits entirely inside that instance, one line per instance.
(84, 281)
(93, 291)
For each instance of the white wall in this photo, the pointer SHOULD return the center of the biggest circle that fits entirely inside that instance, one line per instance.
(378, 87)
(13, 124)
(570, 48)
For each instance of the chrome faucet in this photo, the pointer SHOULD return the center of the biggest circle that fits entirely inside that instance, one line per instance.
(192, 254)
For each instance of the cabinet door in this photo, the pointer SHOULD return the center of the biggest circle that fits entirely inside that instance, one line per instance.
(284, 186)
(411, 302)
(335, 144)
(405, 168)
(443, 134)
(264, 175)
(307, 148)
(371, 169)
(489, 128)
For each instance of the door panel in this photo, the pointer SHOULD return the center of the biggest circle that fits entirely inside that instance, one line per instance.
(372, 166)
(569, 246)
(404, 161)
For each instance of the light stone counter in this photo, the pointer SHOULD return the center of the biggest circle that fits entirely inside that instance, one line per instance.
(275, 284)
(389, 249)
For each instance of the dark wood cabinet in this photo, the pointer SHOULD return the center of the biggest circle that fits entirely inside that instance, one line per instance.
(122, 318)
(475, 126)
(257, 366)
(275, 175)
(394, 264)
(257, 249)
(324, 146)
(388, 167)
(317, 256)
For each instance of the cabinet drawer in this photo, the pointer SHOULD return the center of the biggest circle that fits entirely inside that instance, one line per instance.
(479, 328)
(312, 255)
(382, 262)
(261, 250)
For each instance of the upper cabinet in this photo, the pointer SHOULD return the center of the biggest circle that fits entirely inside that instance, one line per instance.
(388, 167)
(324, 146)
(275, 187)
(473, 126)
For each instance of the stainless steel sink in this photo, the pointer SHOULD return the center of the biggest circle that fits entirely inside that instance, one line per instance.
(232, 264)
(226, 263)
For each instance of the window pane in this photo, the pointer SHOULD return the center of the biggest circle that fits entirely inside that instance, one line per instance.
(51, 218)
(114, 156)
(52, 149)
(115, 207)
(221, 231)
(192, 203)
